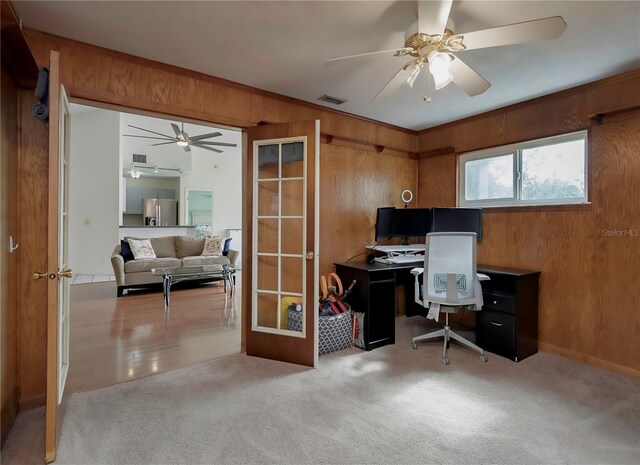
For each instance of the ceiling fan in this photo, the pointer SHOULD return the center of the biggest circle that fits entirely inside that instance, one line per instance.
(183, 139)
(435, 42)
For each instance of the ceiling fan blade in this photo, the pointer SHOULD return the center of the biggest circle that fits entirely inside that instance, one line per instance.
(146, 130)
(163, 143)
(518, 33)
(395, 50)
(208, 148)
(467, 79)
(394, 84)
(221, 144)
(205, 136)
(150, 137)
(176, 129)
(433, 16)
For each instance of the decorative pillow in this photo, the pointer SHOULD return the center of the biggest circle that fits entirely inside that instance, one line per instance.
(125, 251)
(212, 246)
(141, 249)
(227, 245)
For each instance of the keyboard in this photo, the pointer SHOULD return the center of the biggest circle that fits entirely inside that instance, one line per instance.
(400, 259)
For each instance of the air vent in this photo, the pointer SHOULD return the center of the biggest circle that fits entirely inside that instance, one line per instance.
(137, 158)
(331, 99)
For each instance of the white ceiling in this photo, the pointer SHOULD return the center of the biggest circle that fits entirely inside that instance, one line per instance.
(280, 47)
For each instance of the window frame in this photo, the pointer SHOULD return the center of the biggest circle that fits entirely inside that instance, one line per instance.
(516, 151)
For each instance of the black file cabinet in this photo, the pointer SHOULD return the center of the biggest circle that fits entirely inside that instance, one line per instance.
(508, 322)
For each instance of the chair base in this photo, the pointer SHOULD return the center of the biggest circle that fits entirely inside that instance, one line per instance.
(448, 335)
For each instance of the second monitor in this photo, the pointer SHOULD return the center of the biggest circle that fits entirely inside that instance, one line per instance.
(408, 222)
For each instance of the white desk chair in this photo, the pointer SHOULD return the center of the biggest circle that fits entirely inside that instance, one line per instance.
(451, 283)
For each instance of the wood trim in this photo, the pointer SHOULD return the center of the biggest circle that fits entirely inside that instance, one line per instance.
(32, 402)
(599, 116)
(51, 417)
(632, 74)
(539, 208)
(616, 115)
(215, 80)
(6, 427)
(588, 359)
(437, 152)
(330, 138)
(16, 56)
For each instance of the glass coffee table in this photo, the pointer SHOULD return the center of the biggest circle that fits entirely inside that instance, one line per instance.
(171, 276)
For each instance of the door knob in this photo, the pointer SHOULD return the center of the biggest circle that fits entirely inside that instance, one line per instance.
(39, 274)
(65, 273)
(309, 255)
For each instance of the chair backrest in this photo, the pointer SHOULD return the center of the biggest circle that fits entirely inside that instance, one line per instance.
(450, 268)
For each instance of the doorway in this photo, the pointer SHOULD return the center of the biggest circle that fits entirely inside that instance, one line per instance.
(114, 173)
(199, 208)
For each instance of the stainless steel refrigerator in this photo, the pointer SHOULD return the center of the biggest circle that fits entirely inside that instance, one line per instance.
(160, 212)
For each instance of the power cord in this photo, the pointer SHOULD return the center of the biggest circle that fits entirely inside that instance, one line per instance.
(361, 253)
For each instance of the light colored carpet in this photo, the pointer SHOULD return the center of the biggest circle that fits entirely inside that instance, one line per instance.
(391, 405)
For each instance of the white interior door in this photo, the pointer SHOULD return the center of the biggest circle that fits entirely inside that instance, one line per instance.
(58, 273)
(64, 284)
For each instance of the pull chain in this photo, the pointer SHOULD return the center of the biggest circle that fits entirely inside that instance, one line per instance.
(427, 88)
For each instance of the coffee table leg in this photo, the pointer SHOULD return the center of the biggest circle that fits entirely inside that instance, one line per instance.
(166, 285)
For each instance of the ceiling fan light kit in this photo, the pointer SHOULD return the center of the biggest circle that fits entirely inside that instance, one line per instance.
(439, 67)
(436, 43)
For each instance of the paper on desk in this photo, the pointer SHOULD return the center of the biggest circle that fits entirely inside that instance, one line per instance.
(434, 311)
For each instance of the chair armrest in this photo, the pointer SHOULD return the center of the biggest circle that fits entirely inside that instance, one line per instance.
(416, 272)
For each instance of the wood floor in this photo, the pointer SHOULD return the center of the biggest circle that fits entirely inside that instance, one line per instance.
(120, 339)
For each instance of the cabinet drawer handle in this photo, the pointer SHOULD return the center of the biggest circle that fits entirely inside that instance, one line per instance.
(496, 324)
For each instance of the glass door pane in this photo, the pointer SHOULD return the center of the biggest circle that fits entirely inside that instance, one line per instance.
(279, 237)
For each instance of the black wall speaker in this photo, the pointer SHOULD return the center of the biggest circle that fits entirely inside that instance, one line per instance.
(41, 110)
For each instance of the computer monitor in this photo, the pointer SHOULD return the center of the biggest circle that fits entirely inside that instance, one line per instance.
(384, 223)
(412, 222)
(457, 220)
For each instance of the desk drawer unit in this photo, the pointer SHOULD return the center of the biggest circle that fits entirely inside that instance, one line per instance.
(507, 325)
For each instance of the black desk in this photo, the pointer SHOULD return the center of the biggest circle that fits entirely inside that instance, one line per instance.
(507, 324)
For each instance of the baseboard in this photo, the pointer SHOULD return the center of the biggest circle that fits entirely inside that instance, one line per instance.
(7, 424)
(589, 360)
(32, 402)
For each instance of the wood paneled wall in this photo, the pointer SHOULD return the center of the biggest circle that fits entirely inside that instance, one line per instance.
(353, 183)
(8, 226)
(589, 283)
(33, 170)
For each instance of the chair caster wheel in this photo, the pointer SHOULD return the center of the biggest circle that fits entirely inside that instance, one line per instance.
(414, 346)
(445, 360)
(484, 358)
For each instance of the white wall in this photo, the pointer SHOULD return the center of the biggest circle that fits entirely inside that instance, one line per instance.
(94, 174)
(222, 173)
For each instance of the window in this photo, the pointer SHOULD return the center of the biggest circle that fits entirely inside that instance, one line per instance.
(547, 171)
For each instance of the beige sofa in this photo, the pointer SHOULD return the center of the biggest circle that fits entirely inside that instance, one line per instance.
(171, 251)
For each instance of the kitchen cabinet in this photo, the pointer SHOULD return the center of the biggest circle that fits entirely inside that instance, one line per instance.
(166, 194)
(136, 195)
(134, 203)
